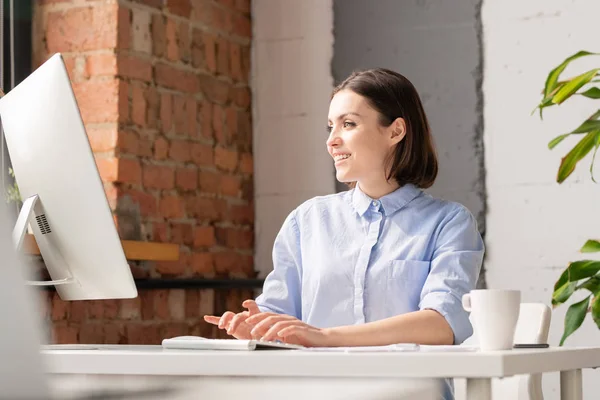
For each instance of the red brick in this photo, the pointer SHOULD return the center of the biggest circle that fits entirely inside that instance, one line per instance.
(131, 308)
(227, 3)
(203, 264)
(78, 311)
(171, 207)
(64, 334)
(166, 111)
(222, 56)
(192, 303)
(161, 148)
(158, 177)
(246, 163)
(147, 203)
(184, 41)
(108, 168)
(179, 115)
(231, 121)
(112, 194)
(153, 112)
(210, 51)
(209, 182)
(172, 46)
(241, 96)
(110, 308)
(205, 209)
(147, 299)
(218, 120)
(206, 120)
(101, 64)
(159, 36)
(207, 302)
(170, 268)
(248, 189)
(243, 5)
(134, 67)
(159, 232)
(124, 28)
(174, 329)
(161, 309)
(130, 171)
(138, 106)
(98, 100)
(128, 142)
(82, 29)
(244, 131)
(221, 19)
(70, 64)
(204, 236)
(226, 159)
(151, 3)
(114, 333)
(215, 90)
(191, 110)
(180, 150)
(180, 7)
(226, 262)
(123, 102)
(138, 333)
(202, 154)
(241, 214)
(177, 304)
(186, 178)
(60, 308)
(91, 333)
(201, 11)
(102, 138)
(242, 25)
(230, 185)
(235, 61)
(182, 233)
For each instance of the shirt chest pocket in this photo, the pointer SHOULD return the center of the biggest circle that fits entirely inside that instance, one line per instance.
(405, 282)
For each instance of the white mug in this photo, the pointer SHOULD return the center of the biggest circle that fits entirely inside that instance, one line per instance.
(494, 314)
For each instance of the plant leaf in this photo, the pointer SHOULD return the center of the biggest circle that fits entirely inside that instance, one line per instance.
(562, 293)
(552, 79)
(596, 310)
(591, 246)
(552, 144)
(596, 145)
(581, 149)
(574, 318)
(574, 85)
(592, 93)
(578, 270)
(589, 124)
(592, 284)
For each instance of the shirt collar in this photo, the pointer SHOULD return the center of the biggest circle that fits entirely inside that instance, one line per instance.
(390, 203)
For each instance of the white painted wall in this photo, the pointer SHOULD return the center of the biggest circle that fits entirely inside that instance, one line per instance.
(291, 83)
(534, 225)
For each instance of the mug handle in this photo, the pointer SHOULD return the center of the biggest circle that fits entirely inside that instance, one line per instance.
(466, 302)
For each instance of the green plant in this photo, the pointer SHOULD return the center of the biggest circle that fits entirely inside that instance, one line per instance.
(583, 274)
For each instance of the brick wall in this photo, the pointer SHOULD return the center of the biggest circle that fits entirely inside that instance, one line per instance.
(163, 90)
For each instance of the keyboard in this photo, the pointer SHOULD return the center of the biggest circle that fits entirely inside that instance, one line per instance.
(200, 343)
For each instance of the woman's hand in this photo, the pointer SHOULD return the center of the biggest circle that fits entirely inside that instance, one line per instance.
(236, 324)
(288, 329)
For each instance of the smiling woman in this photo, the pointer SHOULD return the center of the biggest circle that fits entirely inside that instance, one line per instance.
(383, 262)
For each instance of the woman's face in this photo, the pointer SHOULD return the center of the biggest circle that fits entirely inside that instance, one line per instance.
(357, 142)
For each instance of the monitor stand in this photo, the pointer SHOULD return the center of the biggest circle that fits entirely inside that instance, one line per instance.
(32, 206)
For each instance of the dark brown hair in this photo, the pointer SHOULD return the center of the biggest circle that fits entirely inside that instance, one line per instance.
(414, 159)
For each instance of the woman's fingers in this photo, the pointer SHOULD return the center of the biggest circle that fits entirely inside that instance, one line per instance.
(212, 319)
(265, 324)
(251, 306)
(226, 319)
(236, 321)
(272, 333)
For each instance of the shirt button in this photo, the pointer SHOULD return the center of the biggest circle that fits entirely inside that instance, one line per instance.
(375, 203)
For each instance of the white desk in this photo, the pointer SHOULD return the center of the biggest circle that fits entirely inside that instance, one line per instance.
(477, 367)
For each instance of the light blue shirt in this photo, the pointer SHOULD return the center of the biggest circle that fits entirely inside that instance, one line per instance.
(346, 259)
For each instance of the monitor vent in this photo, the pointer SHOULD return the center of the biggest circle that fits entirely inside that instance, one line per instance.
(43, 224)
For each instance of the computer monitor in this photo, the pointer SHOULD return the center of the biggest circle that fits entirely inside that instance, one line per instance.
(63, 195)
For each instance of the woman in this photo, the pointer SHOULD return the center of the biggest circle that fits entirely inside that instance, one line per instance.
(383, 262)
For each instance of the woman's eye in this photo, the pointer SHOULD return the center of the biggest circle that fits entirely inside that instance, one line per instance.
(349, 124)
(329, 128)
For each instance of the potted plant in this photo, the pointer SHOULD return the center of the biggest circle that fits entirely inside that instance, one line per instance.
(583, 274)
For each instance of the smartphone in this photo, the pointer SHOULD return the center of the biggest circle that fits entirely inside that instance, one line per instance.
(531, 346)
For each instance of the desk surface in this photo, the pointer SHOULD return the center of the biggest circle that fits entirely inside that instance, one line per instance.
(154, 360)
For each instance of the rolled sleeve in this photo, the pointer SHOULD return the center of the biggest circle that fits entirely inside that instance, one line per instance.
(281, 290)
(455, 268)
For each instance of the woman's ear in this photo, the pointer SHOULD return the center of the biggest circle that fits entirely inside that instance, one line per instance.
(398, 130)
